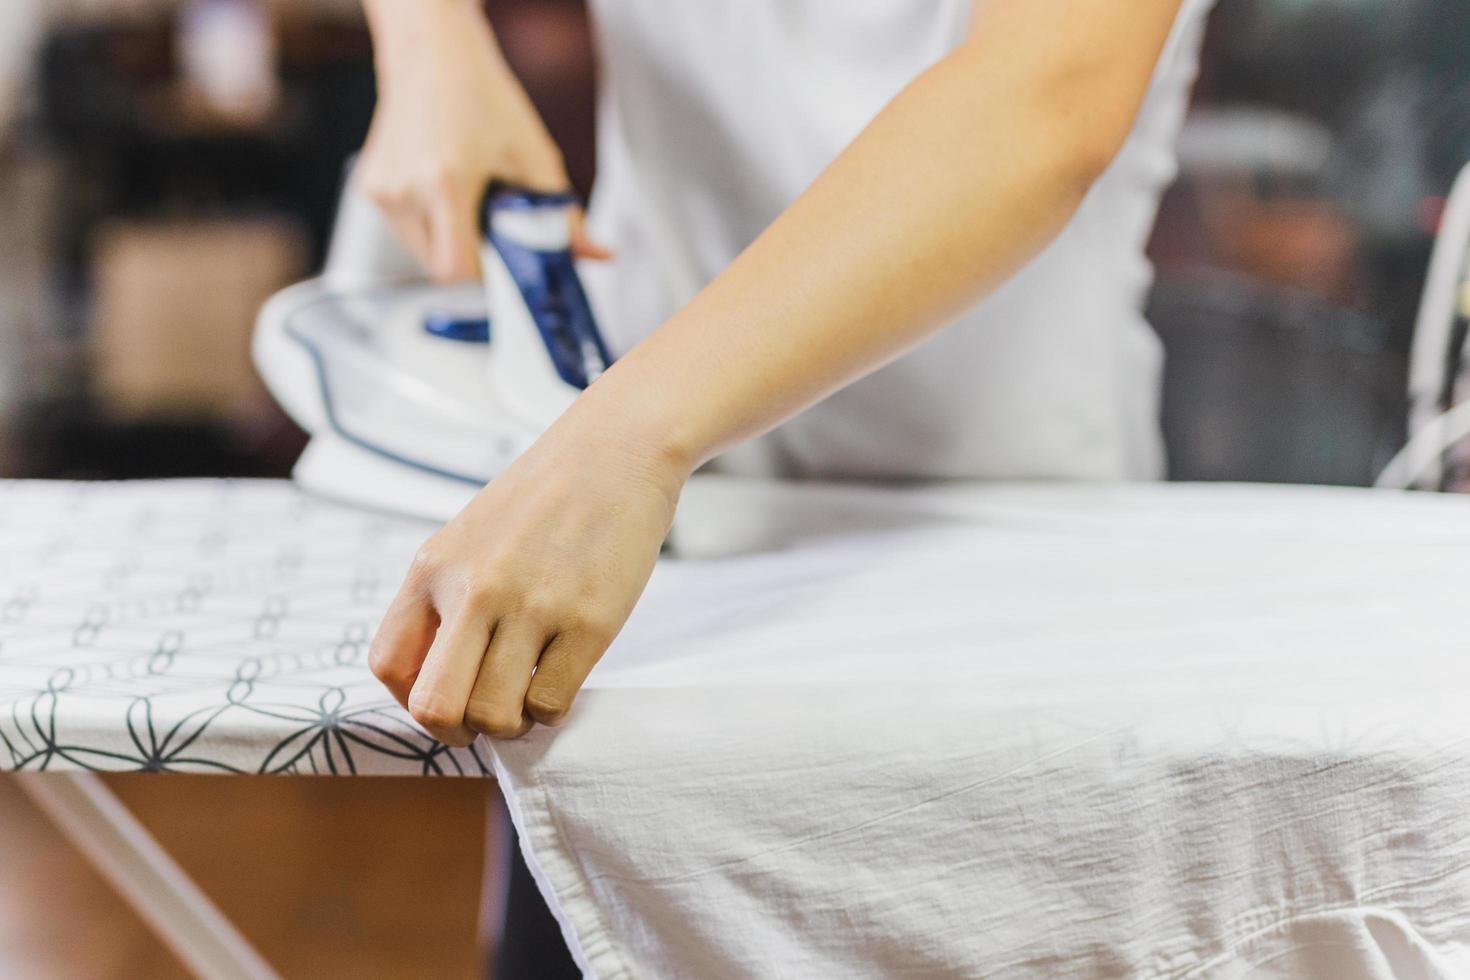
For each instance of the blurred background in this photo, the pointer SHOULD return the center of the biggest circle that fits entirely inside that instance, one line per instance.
(164, 166)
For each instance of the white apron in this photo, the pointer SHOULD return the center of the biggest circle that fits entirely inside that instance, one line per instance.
(715, 116)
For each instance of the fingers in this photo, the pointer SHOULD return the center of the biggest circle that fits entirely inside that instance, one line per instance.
(582, 246)
(560, 673)
(436, 221)
(443, 686)
(454, 237)
(439, 225)
(497, 702)
(402, 641)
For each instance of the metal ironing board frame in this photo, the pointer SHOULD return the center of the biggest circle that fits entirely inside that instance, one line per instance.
(122, 850)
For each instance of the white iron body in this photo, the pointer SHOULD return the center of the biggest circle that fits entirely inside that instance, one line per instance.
(409, 408)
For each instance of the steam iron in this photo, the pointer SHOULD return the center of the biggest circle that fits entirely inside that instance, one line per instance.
(417, 395)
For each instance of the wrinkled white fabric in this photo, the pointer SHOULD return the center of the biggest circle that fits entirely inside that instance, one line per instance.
(1025, 731)
(716, 116)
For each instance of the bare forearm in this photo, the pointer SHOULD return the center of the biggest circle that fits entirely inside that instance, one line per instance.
(409, 34)
(966, 175)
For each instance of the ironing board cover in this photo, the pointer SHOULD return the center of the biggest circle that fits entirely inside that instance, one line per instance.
(201, 626)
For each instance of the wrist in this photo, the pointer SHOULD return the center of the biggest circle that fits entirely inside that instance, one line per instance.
(407, 32)
(633, 421)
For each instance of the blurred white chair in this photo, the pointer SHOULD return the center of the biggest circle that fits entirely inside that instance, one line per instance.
(1436, 423)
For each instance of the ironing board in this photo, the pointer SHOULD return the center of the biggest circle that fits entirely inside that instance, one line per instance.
(199, 627)
(207, 626)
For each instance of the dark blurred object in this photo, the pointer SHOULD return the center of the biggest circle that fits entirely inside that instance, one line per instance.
(1403, 61)
(1267, 385)
(1252, 198)
(159, 254)
(549, 45)
(67, 441)
(1293, 250)
(135, 142)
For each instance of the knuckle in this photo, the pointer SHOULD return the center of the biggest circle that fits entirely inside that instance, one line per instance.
(547, 706)
(380, 662)
(543, 607)
(492, 719)
(482, 596)
(426, 562)
(596, 624)
(433, 713)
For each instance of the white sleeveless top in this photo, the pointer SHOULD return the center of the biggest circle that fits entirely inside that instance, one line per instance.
(715, 116)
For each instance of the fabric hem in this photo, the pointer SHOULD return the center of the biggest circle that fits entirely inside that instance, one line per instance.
(562, 885)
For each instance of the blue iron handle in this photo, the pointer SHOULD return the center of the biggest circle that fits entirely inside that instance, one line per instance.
(538, 256)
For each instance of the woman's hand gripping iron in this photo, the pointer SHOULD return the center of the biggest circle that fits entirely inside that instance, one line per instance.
(415, 395)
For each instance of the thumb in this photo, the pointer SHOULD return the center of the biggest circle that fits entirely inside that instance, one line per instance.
(582, 246)
(454, 239)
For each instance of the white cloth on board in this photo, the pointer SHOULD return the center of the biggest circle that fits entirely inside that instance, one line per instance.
(1024, 731)
(1153, 731)
(716, 116)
